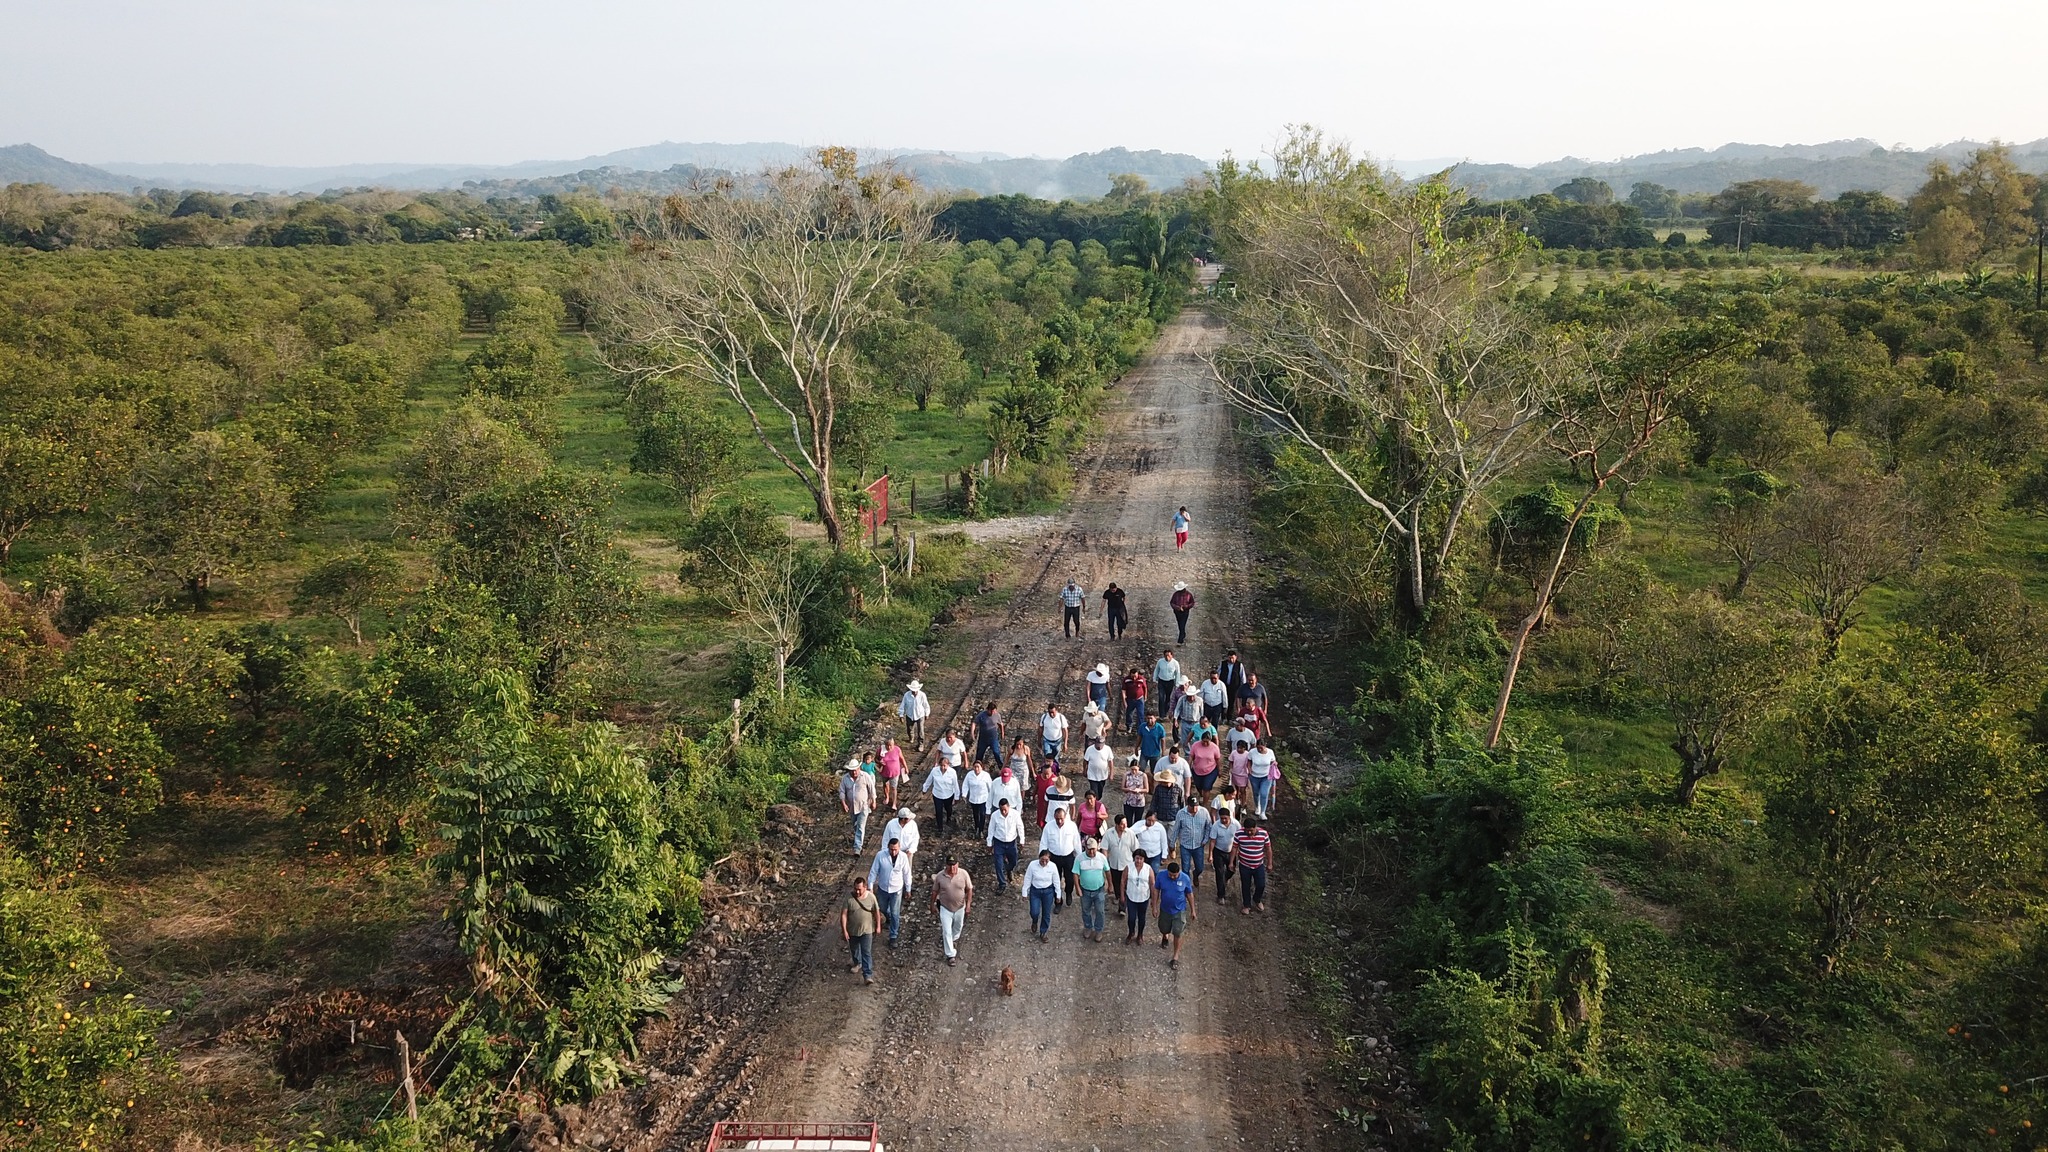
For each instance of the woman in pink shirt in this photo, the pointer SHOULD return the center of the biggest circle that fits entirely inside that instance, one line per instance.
(1241, 769)
(1090, 815)
(1203, 760)
(892, 771)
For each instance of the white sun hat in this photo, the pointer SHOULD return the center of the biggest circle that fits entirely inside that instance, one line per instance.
(1180, 585)
(1099, 674)
(915, 686)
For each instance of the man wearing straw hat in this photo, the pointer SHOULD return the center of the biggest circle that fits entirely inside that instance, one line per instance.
(1098, 686)
(914, 708)
(1182, 602)
(857, 799)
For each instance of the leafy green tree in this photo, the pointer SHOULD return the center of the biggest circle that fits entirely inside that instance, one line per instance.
(1898, 791)
(521, 365)
(1840, 383)
(1720, 671)
(346, 585)
(1653, 200)
(1585, 190)
(77, 762)
(692, 446)
(567, 893)
(468, 452)
(200, 511)
(1742, 514)
(919, 359)
(750, 566)
(40, 479)
(75, 1055)
(545, 553)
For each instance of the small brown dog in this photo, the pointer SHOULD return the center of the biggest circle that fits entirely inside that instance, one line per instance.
(1009, 982)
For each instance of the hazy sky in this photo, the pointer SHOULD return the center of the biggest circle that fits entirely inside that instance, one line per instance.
(337, 81)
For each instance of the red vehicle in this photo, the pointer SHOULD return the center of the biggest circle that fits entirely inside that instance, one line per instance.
(783, 1136)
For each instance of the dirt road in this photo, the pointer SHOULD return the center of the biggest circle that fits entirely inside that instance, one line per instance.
(1102, 1047)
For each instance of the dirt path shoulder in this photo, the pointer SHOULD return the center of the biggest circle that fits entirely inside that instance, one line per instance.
(1103, 1046)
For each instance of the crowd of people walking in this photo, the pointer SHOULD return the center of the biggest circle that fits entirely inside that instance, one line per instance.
(1187, 754)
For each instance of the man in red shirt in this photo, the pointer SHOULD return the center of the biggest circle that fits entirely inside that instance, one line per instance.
(1182, 603)
(1134, 701)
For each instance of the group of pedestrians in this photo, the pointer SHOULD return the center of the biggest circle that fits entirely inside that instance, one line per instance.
(1196, 786)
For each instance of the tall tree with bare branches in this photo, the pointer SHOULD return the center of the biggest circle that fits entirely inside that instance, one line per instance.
(1371, 328)
(763, 290)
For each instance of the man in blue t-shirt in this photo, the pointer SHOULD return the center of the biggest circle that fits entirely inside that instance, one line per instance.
(1170, 891)
(1151, 743)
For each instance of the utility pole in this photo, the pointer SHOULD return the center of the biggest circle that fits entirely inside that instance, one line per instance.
(2040, 245)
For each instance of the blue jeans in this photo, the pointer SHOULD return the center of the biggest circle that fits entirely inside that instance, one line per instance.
(1091, 909)
(1005, 861)
(1134, 917)
(1041, 909)
(1099, 695)
(863, 949)
(1134, 716)
(1047, 746)
(1191, 861)
(860, 830)
(892, 911)
(1262, 793)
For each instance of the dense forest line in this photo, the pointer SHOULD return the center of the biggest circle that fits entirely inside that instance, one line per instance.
(1688, 636)
(369, 630)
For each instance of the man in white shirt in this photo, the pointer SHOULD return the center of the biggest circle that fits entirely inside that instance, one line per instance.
(914, 708)
(974, 788)
(1052, 731)
(1099, 759)
(1215, 694)
(1042, 888)
(1151, 840)
(1005, 836)
(1094, 721)
(943, 783)
(1165, 682)
(1183, 772)
(903, 830)
(1072, 600)
(1063, 839)
(889, 880)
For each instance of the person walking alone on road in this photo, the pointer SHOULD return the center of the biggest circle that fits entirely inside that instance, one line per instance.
(1072, 600)
(914, 708)
(1176, 911)
(889, 880)
(1116, 607)
(857, 799)
(1042, 889)
(952, 900)
(1252, 855)
(1137, 899)
(1182, 602)
(1091, 880)
(1223, 832)
(1181, 522)
(857, 927)
(943, 783)
(1005, 835)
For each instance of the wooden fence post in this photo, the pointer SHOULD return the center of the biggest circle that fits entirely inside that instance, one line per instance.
(412, 1099)
(735, 722)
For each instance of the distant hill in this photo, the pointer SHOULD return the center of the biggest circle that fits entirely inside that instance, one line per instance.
(28, 164)
(1834, 167)
(656, 167)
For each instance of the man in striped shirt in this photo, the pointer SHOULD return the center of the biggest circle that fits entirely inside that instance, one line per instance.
(1252, 855)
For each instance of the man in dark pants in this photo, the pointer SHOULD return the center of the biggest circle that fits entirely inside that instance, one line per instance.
(1231, 672)
(1116, 608)
(1072, 601)
(1182, 603)
(857, 927)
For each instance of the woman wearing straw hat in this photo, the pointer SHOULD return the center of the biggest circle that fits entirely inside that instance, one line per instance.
(1182, 602)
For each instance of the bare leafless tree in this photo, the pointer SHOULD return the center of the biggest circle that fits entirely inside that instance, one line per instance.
(767, 589)
(762, 290)
(1839, 536)
(1371, 327)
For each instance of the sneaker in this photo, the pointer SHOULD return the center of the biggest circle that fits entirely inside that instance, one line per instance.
(951, 960)
(867, 980)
